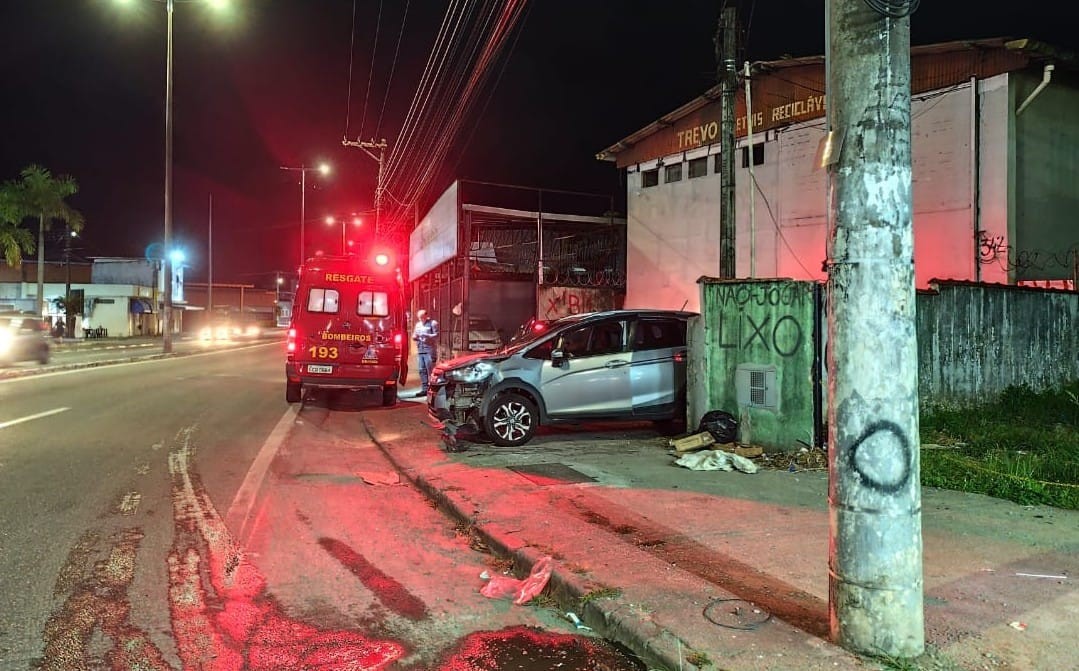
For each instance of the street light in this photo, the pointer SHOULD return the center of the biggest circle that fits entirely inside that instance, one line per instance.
(356, 221)
(166, 311)
(323, 169)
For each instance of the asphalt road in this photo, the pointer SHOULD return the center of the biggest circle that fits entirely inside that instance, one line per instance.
(164, 513)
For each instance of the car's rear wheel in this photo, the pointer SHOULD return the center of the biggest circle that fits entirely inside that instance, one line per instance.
(389, 395)
(511, 420)
(293, 392)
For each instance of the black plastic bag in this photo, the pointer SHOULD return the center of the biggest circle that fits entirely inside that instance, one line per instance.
(722, 425)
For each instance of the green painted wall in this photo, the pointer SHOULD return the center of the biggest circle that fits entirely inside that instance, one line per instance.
(768, 324)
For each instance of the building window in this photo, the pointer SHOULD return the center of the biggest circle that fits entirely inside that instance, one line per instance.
(650, 177)
(672, 173)
(758, 155)
(698, 167)
(717, 164)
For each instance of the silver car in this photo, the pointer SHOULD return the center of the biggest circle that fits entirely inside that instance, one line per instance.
(617, 365)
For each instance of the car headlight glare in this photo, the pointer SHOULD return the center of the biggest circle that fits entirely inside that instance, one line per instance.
(471, 374)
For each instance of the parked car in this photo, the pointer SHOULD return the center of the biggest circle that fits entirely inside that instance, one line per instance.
(23, 337)
(483, 335)
(616, 365)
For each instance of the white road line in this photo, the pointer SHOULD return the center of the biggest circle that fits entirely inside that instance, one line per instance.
(239, 513)
(30, 418)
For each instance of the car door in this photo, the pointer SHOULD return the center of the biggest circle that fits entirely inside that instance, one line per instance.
(658, 373)
(593, 378)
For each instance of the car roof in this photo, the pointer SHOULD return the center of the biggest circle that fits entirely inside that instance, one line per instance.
(643, 312)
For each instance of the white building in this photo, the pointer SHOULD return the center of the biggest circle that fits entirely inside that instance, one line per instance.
(995, 142)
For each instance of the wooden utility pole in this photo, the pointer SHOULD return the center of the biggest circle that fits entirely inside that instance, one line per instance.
(725, 43)
(874, 489)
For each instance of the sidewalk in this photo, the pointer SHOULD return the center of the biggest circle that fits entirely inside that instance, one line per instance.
(717, 570)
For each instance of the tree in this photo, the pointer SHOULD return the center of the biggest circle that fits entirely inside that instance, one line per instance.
(40, 195)
(14, 241)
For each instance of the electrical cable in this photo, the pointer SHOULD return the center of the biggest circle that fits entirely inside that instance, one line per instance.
(393, 67)
(455, 74)
(749, 626)
(894, 9)
(351, 50)
(490, 93)
(371, 71)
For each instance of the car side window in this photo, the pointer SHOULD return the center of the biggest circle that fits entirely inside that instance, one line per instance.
(574, 343)
(541, 351)
(652, 334)
(607, 338)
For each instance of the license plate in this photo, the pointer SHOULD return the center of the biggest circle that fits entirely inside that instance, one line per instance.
(317, 368)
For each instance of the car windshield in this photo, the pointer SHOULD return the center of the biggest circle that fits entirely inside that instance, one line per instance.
(480, 324)
(532, 336)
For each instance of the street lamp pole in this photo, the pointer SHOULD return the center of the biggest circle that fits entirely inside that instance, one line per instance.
(303, 169)
(166, 310)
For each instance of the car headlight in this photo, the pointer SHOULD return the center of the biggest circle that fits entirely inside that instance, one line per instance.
(206, 333)
(252, 331)
(6, 338)
(471, 374)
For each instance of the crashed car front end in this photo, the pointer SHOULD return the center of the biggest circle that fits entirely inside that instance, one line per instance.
(456, 388)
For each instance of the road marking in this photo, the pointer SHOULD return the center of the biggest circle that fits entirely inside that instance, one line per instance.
(30, 418)
(239, 513)
(130, 503)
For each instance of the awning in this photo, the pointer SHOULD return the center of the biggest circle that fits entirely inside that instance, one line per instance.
(141, 305)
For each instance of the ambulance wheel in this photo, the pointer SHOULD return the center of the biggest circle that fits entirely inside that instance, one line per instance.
(389, 395)
(293, 392)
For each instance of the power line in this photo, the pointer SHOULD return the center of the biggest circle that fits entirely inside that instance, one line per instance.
(393, 67)
(351, 51)
(371, 70)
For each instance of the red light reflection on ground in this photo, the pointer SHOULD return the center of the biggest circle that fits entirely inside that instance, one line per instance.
(248, 630)
(532, 649)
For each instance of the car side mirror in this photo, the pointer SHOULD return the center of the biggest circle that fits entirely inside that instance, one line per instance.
(558, 358)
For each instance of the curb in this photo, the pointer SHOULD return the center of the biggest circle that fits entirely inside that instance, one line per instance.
(610, 617)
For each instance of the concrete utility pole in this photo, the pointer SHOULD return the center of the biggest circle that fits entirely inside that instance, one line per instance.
(368, 148)
(728, 75)
(875, 578)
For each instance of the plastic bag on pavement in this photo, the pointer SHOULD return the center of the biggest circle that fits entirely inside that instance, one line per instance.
(722, 425)
(522, 591)
(716, 460)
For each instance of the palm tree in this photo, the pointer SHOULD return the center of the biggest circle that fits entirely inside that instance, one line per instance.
(14, 241)
(39, 194)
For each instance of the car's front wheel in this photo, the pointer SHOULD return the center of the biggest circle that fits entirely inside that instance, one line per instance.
(511, 420)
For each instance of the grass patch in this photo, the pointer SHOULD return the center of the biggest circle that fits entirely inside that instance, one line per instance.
(601, 593)
(1023, 446)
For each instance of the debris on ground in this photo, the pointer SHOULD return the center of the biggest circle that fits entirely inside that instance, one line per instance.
(697, 441)
(805, 459)
(722, 425)
(522, 591)
(716, 460)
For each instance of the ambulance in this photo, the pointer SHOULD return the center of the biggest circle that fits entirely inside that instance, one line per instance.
(348, 327)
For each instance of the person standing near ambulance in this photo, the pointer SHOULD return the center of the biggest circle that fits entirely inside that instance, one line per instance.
(426, 336)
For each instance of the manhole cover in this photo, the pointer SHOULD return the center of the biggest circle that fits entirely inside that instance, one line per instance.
(550, 474)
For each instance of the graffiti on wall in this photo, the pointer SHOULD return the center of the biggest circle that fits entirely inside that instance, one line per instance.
(993, 249)
(742, 326)
(556, 302)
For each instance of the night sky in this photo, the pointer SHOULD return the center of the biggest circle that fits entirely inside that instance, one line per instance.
(267, 85)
